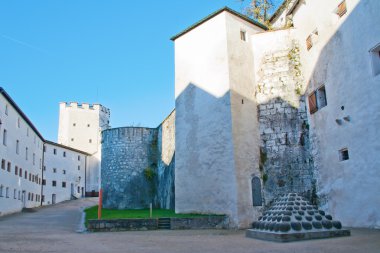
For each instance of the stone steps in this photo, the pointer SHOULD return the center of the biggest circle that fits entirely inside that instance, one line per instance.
(164, 223)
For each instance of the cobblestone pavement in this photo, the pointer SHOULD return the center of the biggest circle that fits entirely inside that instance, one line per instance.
(53, 229)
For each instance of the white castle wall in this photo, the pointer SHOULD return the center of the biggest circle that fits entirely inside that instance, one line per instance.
(215, 131)
(80, 127)
(19, 188)
(63, 165)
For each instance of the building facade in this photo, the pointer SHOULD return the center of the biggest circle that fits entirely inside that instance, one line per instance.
(21, 154)
(80, 127)
(64, 173)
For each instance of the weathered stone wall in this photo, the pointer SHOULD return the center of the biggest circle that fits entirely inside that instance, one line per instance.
(138, 166)
(166, 163)
(128, 167)
(285, 161)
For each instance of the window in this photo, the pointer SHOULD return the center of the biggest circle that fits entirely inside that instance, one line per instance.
(7, 192)
(20, 173)
(1, 190)
(16, 170)
(44, 149)
(5, 137)
(78, 189)
(90, 140)
(43, 181)
(14, 193)
(43, 198)
(63, 184)
(54, 170)
(44, 168)
(343, 154)
(375, 58)
(311, 40)
(26, 153)
(78, 157)
(54, 183)
(78, 167)
(317, 99)
(17, 147)
(26, 174)
(28, 195)
(64, 154)
(88, 125)
(30, 176)
(34, 159)
(34, 140)
(243, 35)
(72, 139)
(3, 164)
(64, 172)
(6, 109)
(9, 167)
(341, 9)
(19, 195)
(54, 151)
(74, 124)
(18, 122)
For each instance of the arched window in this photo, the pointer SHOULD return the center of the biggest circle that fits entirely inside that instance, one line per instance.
(257, 199)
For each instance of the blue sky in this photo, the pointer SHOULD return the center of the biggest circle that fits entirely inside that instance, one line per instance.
(115, 52)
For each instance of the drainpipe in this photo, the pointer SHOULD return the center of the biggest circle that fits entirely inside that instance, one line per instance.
(42, 174)
(85, 176)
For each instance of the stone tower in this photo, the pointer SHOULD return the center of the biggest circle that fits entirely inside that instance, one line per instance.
(80, 127)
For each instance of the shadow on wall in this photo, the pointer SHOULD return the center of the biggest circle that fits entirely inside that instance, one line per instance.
(341, 61)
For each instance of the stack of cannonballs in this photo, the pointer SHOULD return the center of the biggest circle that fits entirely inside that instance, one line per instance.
(291, 217)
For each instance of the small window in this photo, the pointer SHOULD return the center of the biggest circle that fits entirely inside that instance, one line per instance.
(343, 154)
(72, 139)
(5, 137)
(317, 99)
(30, 176)
(44, 168)
(17, 147)
(78, 157)
(26, 153)
(64, 154)
(90, 141)
(43, 181)
(26, 174)
(20, 173)
(54, 170)
(54, 183)
(78, 189)
(34, 159)
(243, 35)
(74, 124)
(54, 151)
(63, 184)
(15, 194)
(88, 125)
(6, 109)
(78, 167)
(375, 58)
(64, 172)
(19, 195)
(9, 167)
(1, 190)
(3, 164)
(7, 192)
(16, 170)
(342, 9)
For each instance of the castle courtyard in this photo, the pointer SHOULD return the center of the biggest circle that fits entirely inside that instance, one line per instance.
(55, 229)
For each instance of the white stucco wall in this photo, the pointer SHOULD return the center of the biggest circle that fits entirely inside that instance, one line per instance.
(59, 168)
(80, 127)
(15, 184)
(340, 60)
(216, 148)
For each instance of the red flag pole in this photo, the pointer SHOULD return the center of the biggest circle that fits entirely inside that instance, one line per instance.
(100, 204)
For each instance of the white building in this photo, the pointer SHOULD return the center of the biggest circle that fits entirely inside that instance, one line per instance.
(64, 173)
(225, 67)
(21, 155)
(80, 127)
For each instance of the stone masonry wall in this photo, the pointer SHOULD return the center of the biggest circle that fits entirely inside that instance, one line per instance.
(285, 161)
(166, 163)
(128, 167)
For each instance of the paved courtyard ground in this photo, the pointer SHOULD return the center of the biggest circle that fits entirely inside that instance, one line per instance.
(53, 229)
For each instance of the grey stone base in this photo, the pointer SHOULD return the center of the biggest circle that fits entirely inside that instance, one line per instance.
(289, 237)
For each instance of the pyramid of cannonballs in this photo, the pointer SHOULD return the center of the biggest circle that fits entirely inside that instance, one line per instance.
(291, 217)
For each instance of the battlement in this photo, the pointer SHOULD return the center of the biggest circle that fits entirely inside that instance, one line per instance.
(85, 106)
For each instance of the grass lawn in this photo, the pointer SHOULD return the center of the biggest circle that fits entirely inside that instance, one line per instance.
(92, 213)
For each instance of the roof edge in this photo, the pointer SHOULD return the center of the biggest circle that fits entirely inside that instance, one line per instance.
(66, 147)
(245, 18)
(22, 114)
